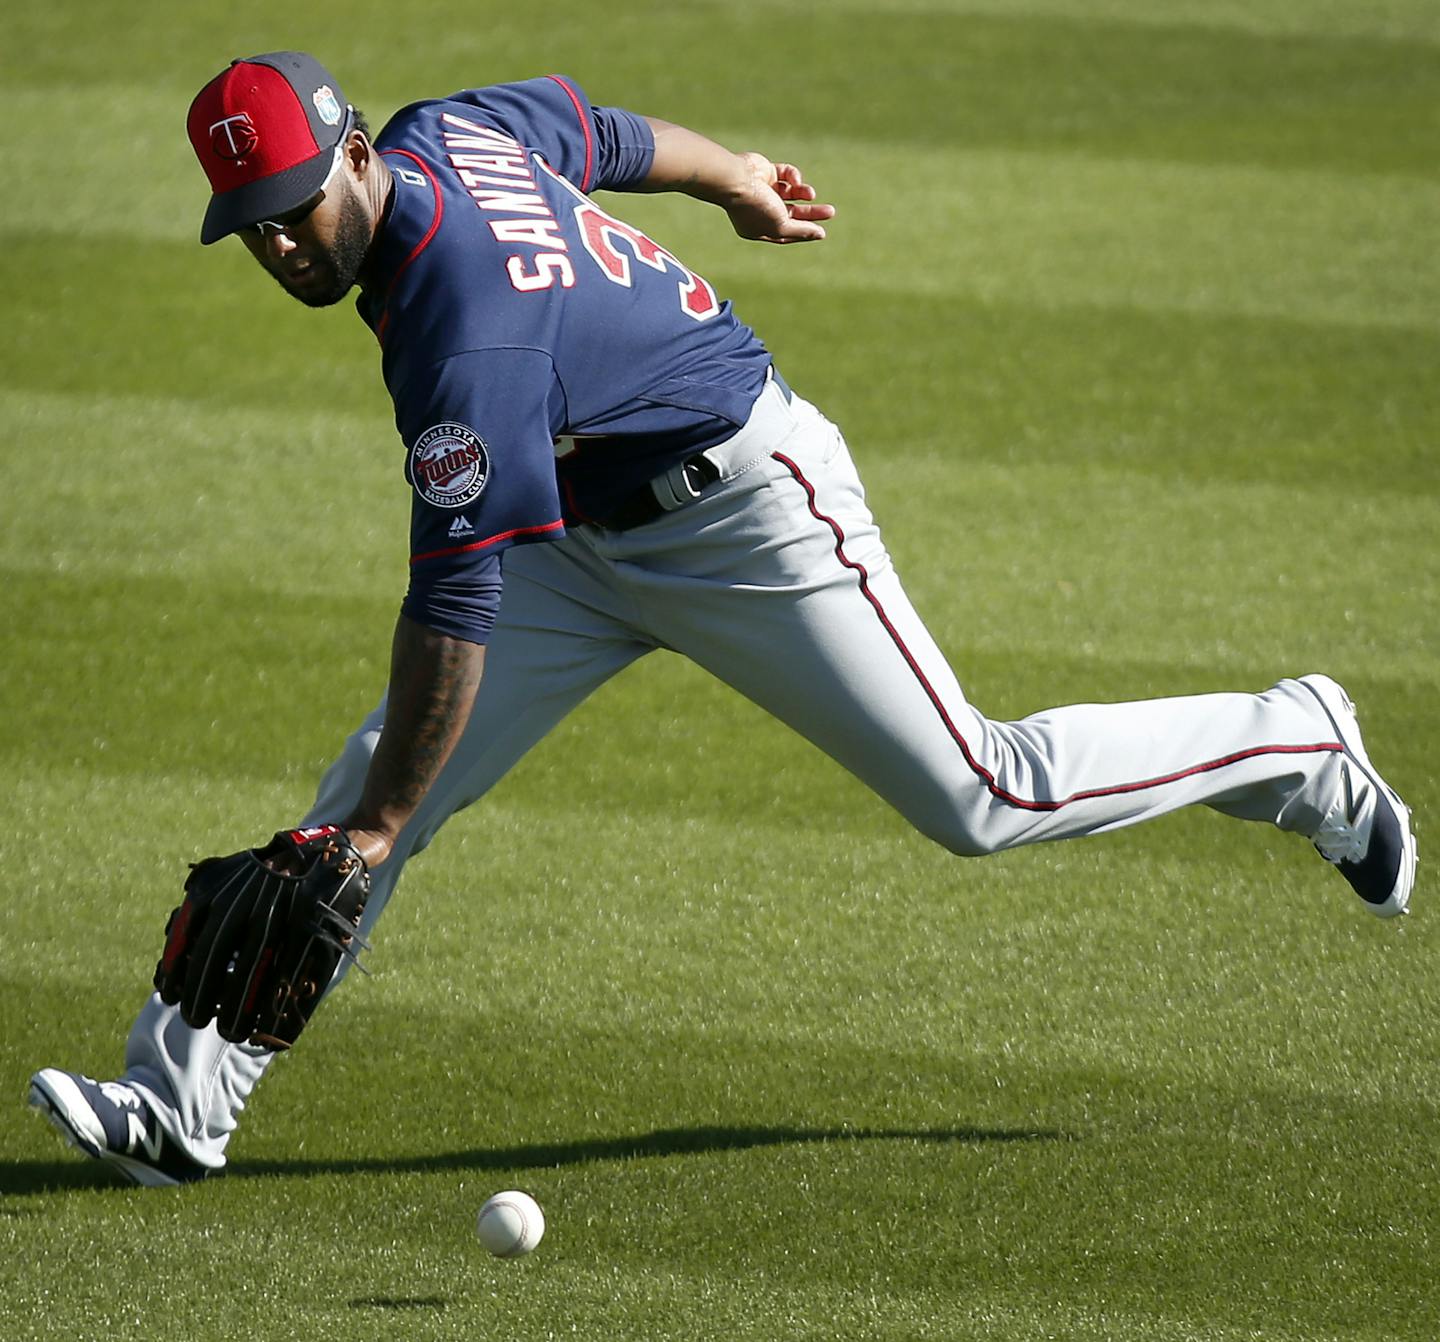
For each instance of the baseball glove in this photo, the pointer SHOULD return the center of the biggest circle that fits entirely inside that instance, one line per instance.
(260, 934)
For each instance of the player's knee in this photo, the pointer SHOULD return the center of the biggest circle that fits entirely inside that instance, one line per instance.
(971, 845)
(958, 835)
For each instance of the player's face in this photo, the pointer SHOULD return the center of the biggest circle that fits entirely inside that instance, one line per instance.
(315, 251)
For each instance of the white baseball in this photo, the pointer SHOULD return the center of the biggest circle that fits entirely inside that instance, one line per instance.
(510, 1224)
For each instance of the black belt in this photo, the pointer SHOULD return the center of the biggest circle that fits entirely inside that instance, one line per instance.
(643, 505)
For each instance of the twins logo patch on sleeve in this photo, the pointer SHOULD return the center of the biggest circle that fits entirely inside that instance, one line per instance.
(449, 465)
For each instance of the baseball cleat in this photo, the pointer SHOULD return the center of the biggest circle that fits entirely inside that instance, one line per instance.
(1367, 833)
(109, 1121)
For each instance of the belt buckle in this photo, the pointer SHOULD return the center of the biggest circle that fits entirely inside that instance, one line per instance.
(693, 472)
(684, 482)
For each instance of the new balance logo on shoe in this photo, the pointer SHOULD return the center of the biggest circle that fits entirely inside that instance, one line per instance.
(141, 1139)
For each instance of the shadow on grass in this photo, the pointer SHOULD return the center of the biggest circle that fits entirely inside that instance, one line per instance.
(37, 1176)
(663, 1142)
(399, 1302)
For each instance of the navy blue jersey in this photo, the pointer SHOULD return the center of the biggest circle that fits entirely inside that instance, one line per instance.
(544, 357)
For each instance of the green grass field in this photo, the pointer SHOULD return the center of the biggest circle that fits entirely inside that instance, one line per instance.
(1132, 317)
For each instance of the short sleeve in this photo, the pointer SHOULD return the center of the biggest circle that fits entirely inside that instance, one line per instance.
(625, 149)
(480, 457)
(594, 147)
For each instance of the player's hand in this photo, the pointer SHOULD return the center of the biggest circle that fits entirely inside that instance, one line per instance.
(776, 204)
(373, 845)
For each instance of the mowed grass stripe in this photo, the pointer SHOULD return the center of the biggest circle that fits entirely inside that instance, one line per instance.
(1380, 20)
(1057, 231)
(1125, 572)
(1107, 87)
(929, 1033)
(909, 962)
(1120, 555)
(197, 490)
(1050, 229)
(232, 502)
(705, 1301)
(265, 485)
(786, 1009)
(1020, 378)
(402, 1274)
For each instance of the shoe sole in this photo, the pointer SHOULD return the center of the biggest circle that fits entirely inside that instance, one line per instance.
(1326, 692)
(57, 1098)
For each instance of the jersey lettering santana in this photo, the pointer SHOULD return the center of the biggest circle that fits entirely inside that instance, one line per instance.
(513, 312)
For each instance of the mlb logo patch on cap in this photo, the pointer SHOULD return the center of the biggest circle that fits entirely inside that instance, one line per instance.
(327, 104)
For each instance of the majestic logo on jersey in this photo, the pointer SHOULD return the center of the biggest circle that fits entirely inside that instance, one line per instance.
(327, 105)
(460, 527)
(234, 137)
(449, 465)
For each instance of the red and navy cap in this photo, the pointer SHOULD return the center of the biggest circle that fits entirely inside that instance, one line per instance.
(268, 132)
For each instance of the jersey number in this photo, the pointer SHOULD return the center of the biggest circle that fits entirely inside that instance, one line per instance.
(601, 233)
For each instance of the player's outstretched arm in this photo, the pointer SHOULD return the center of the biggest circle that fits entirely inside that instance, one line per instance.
(769, 202)
(433, 679)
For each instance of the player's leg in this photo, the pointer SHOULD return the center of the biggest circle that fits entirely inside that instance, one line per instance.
(559, 636)
(818, 630)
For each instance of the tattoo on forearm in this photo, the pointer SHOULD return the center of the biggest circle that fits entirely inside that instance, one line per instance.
(432, 688)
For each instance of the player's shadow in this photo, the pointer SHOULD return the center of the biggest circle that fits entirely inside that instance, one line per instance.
(36, 1176)
(661, 1143)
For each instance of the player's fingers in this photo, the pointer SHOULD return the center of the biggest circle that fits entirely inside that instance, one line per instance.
(790, 184)
(797, 231)
(812, 211)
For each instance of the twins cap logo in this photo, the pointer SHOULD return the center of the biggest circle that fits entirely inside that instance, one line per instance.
(449, 465)
(233, 137)
(327, 105)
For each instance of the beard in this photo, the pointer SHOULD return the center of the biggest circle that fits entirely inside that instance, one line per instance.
(335, 270)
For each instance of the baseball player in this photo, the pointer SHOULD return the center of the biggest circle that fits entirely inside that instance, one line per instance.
(590, 429)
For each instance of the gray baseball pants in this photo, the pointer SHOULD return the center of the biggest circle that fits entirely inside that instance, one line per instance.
(776, 581)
